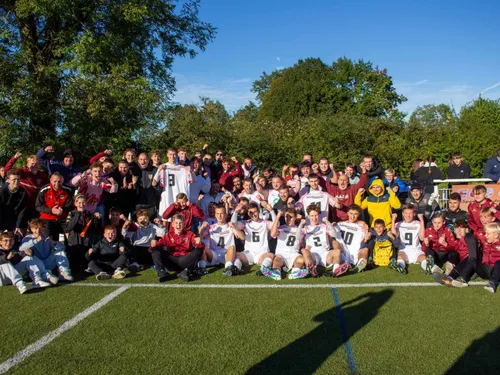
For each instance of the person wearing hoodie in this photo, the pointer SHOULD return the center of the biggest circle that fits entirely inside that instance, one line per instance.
(379, 203)
(457, 168)
(373, 169)
(65, 167)
(428, 173)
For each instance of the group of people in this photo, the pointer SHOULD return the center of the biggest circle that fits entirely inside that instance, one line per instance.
(186, 214)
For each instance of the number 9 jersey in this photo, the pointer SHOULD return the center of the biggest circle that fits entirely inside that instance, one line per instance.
(409, 235)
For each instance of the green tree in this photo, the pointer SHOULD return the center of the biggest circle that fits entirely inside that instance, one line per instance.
(311, 87)
(104, 65)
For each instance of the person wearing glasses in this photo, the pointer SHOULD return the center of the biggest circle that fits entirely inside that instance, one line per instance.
(457, 168)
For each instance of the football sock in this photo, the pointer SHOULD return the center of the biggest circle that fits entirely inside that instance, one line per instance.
(238, 264)
(267, 262)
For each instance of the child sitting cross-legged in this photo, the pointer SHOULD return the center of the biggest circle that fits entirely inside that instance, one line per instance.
(108, 254)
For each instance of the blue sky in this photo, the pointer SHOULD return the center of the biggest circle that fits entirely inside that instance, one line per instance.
(435, 51)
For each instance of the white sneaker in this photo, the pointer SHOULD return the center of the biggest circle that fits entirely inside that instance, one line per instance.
(65, 274)
(102, 276)
(51, 278)
(40, 284)
(119, 274)
(22, 287)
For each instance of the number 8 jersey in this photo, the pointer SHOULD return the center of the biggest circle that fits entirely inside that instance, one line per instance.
(174, 179)
(288, 240)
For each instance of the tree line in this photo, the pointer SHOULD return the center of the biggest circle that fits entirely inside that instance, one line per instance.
(97, 75)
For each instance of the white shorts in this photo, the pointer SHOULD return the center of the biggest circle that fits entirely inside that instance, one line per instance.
(320, 257)
(218, 257)
(288, 258)
(412, 255)
(348, 257)
(253, 256)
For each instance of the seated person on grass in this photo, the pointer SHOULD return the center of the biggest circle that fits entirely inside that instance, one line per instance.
(138, 237)
(256, 230)
(289, 237)
(467, 247)
(219, 242)
(439, 246)
(355, 234)
(179, 250)
(322, 245)
(23, 262)
(383, 246)
(50, 252)
(108, 257)
(9, 275)
(411, 233)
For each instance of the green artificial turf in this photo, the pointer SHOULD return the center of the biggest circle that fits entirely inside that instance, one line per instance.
(426, 330)
(377, 275)
(28, 317)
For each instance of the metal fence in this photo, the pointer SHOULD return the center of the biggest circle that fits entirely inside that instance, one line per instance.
(443, 193)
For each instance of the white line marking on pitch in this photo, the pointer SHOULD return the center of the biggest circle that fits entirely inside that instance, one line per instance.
(48, 338)
(265, 286)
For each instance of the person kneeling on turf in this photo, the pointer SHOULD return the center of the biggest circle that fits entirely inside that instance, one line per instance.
(50, 252)
(108, 254)
(411, 233)
(288, 255)
(183, 251)
(318, 251)
(219, 242)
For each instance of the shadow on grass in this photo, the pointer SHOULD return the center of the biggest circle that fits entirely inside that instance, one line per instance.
(306, 354)
(481, 357)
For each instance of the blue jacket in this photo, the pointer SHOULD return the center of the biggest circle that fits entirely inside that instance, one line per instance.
(492, 169)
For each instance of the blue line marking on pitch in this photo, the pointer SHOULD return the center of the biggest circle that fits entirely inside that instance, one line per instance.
(351, 360)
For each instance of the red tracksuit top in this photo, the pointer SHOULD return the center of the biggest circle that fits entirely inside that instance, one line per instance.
(434, 235)
(491, 253)
(179, 245)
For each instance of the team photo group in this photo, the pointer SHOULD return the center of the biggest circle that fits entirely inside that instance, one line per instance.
(184, 215)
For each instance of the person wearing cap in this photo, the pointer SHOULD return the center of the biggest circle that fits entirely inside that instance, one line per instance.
(492, 169)
(65, 167)
(425, 203)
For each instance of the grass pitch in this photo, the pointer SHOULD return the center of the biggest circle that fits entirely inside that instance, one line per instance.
(370, 330)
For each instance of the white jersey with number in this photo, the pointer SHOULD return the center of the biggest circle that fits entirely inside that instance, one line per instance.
(174, 179)
(353, 235)
(318, 197)
(256, 233)
(409, 235)
(221, 237)
(317, 237)
(288, 240)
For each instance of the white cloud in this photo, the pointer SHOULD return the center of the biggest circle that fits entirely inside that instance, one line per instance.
(490, 88)
(422, 82)
(456, 88)
(278, 58)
